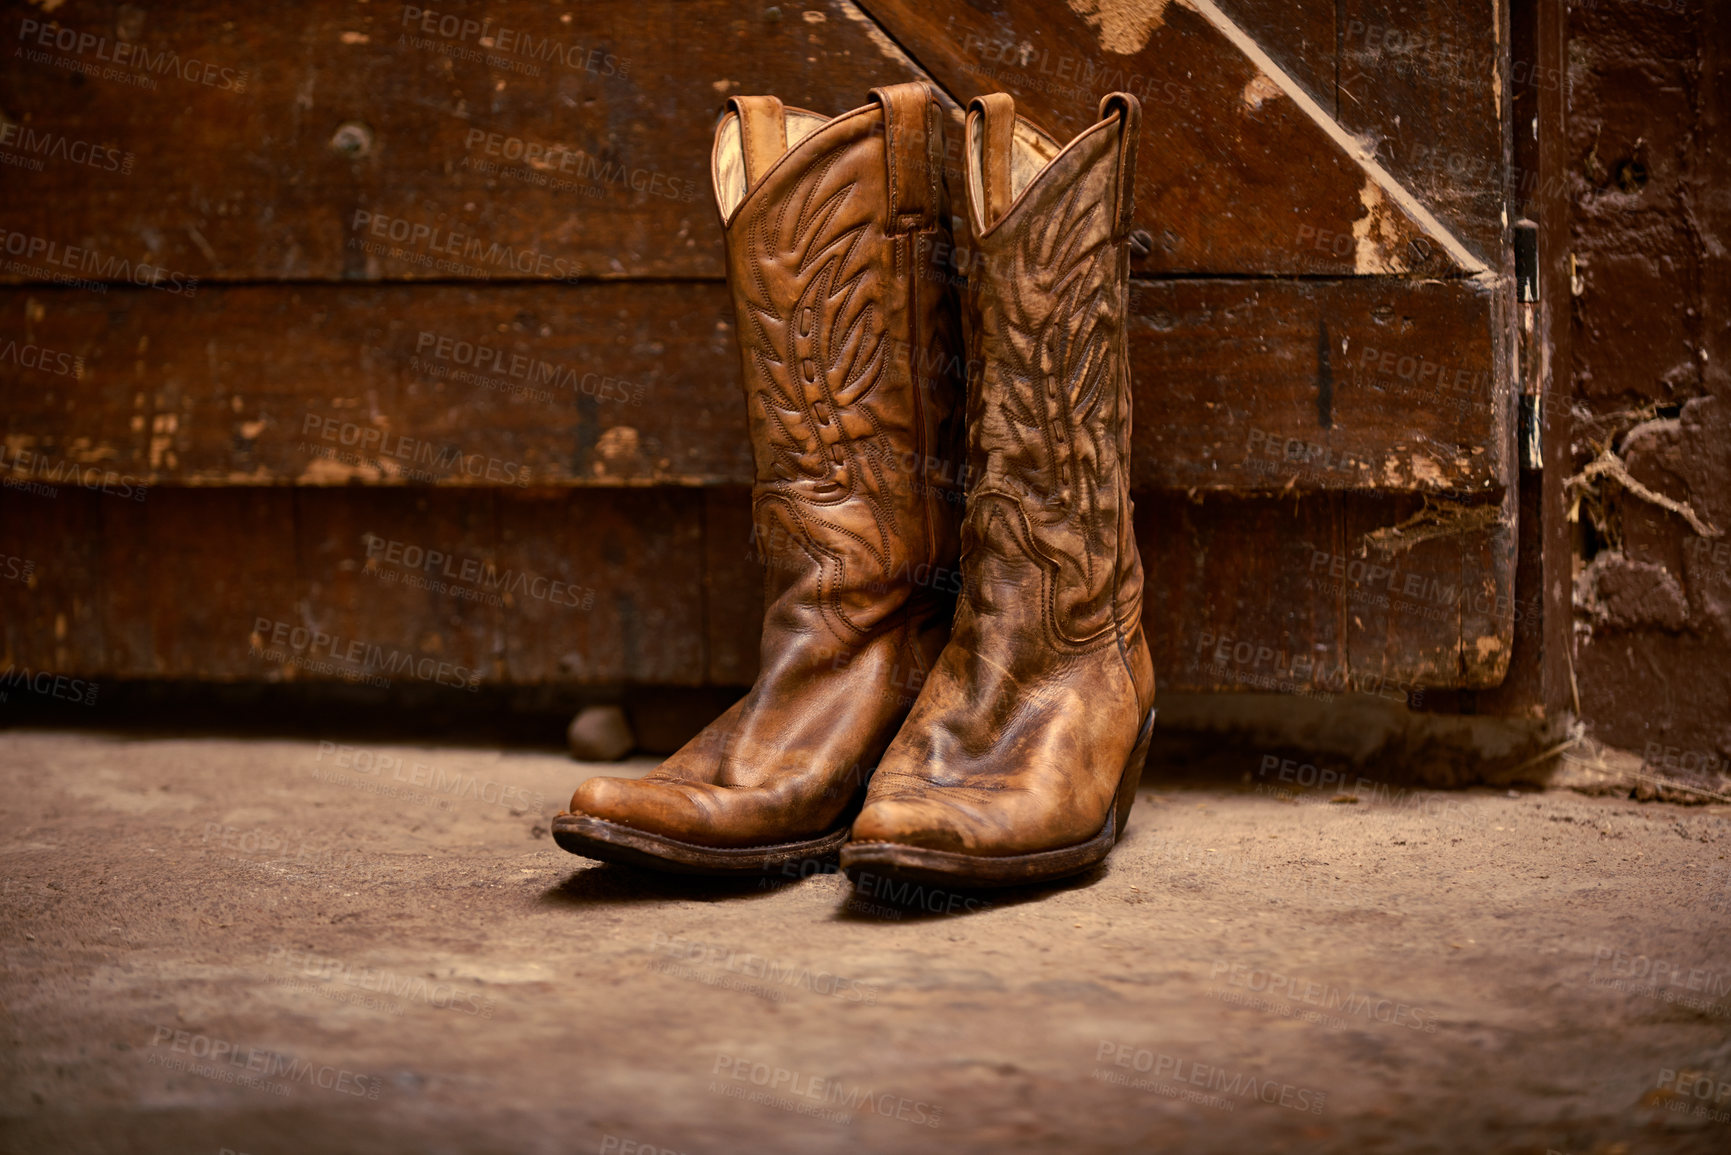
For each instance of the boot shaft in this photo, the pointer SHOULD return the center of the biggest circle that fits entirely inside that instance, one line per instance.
(850, 354)
(1049, 397)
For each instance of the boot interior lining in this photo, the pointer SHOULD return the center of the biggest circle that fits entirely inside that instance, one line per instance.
(729, 164)
(1030, 152)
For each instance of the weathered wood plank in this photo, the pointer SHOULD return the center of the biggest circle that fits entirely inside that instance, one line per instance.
(635, 384)
(51, 576)
(125, 591)
(577, 143)
(1404, 604)
(518, 140)
(1354, 384)
(1242, 593)
(438, 588)
(1233, 176)
(1284, 596)
(437, 385)
(1229, 600)
(633, 603)
(404, 579)
(206, 595)
(1426, 83)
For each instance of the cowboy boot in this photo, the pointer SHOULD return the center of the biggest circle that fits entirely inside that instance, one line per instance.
(1020, 759)
(850, 343)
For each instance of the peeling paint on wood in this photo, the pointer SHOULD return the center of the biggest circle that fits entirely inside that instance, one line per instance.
(1374, 235)
(1123, 25)
(1260, 89)
(1230, 368)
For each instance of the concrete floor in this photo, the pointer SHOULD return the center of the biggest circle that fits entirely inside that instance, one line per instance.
(272, 946)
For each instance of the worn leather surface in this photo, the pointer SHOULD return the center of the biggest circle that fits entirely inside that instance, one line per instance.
(850, 344)
(1020, 735)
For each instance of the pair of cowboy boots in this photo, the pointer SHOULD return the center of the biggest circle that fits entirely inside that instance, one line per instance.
(955, 686)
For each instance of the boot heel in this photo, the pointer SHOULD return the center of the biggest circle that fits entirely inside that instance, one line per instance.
(1133, 773)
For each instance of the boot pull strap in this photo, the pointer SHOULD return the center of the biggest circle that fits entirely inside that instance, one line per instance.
(762, 133)
(913, 152)
(996, 126)
(1130, 109)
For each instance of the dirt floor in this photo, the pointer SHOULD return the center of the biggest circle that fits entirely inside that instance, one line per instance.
(291, 946)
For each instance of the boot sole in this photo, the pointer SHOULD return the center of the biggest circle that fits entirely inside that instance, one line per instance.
(905, 863)
(606, 841)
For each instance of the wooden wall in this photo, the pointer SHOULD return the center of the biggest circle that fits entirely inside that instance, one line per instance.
(333, 288)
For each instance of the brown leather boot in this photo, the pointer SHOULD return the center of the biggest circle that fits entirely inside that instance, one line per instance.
(1020, 760)
(836, 233)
